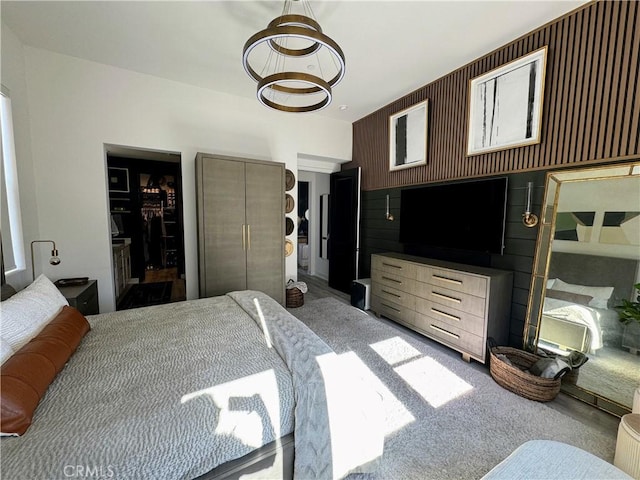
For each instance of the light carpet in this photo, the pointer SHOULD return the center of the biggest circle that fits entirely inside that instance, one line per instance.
(445, 418)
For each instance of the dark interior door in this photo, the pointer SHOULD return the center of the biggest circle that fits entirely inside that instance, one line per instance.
(344, 228)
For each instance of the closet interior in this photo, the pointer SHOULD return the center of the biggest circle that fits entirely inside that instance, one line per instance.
(145, 200)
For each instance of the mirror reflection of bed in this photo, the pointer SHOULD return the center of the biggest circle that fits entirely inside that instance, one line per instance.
(575, 318)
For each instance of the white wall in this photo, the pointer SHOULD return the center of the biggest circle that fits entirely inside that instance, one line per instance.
(77, 106)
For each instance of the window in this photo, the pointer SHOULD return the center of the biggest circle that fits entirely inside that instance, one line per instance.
(12, 243)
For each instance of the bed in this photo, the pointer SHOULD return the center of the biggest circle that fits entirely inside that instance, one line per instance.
(210, 388)
(570, 325)
(581, 292)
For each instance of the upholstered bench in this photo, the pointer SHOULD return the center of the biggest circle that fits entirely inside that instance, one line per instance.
(548, 459)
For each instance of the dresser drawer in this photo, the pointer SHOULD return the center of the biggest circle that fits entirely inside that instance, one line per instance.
(391, 294)
(454, 299)
(454, 280)
(450, 316)
(392, 310)
(453, 336)
(393, 280)
(394, 266)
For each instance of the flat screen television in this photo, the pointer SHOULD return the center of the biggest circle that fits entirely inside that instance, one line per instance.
(466, 215)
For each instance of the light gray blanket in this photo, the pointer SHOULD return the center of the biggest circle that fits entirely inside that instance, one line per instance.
(160, 392)
(338, 416)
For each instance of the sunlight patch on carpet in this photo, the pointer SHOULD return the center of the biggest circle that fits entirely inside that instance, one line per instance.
(395, 413)
(395, 350)
(433, 382)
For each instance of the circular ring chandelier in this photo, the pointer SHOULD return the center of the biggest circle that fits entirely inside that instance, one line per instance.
(274, 82)
(277, 80)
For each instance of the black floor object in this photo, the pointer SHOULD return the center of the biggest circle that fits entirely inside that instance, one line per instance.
(144, 294)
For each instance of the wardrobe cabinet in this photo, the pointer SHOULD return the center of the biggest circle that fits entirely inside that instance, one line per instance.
(240, 208)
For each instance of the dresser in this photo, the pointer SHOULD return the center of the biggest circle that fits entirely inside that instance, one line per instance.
(455, 304)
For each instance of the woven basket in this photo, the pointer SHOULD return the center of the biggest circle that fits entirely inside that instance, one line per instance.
(513, 378)
(295, 298)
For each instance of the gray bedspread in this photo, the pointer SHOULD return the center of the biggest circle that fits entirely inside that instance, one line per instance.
(172, 391)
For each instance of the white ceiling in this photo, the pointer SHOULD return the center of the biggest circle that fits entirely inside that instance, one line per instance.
(391, 47)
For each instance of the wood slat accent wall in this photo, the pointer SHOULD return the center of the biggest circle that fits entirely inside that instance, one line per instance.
(591, 109)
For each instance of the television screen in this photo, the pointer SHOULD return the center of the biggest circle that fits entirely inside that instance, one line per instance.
(463, 215)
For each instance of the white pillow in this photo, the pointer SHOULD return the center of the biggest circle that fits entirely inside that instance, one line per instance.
(550, 283)
(28, 311)
(601, 295)
(5, 350)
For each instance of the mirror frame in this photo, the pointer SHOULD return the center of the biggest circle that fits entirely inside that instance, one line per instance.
(553, 183)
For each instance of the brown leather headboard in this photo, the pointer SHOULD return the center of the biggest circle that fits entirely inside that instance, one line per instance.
(595, 271)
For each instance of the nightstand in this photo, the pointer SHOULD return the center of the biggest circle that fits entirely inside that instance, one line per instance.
(83, 297)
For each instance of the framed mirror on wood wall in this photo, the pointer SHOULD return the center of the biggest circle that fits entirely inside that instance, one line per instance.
(587, 261)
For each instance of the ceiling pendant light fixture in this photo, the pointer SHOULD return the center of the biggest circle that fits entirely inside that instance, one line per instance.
(289, 50)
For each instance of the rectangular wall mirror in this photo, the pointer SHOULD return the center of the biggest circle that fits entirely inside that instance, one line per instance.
(588, 261)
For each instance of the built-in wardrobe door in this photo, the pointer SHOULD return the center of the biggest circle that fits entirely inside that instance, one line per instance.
(264, 194)
(221, 225)
(240, 225)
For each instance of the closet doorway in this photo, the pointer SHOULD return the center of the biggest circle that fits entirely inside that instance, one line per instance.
(147, 235)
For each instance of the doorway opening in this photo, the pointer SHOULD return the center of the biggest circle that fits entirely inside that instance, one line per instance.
(303, 227)
(147, 234)
(313, 191)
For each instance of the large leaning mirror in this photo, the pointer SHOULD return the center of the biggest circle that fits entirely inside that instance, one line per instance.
(587, 261)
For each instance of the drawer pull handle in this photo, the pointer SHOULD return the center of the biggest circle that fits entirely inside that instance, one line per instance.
(390, 307)
(442, 330)
(445, 314)
(399, 282)
(399, 267)
(391, 293)
(446, 297)
(445, 279)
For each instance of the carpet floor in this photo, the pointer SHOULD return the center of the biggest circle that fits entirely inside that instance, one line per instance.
(145, 294)
(445, 418)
